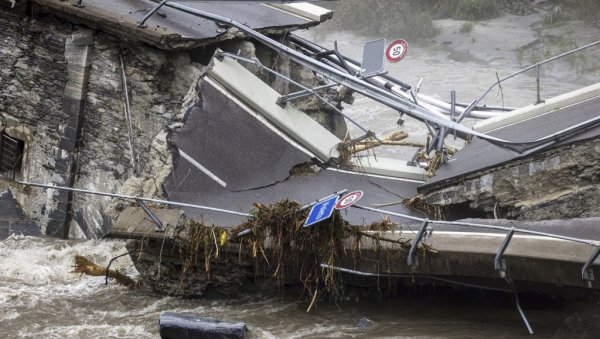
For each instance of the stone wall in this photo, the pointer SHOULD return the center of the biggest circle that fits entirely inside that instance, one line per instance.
(560, 183)
(12, 218)
(33, 75)
(61, 91)
(156, 81)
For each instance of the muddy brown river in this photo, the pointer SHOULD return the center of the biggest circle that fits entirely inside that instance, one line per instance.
(40, 298)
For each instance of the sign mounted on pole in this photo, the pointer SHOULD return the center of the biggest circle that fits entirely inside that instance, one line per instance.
(348, 200)
(372, 61)
(396, 50)
(321, 211)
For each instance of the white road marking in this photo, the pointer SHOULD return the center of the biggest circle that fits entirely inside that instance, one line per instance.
(202, 168)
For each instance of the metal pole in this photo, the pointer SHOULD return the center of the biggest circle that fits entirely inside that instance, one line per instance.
(452, 105)
(537, 81)
(142, 24)
(411, 259)
(523, 317)
(134, 163)
(586, 272)
(453, 108)
(484, 226)
(160, 227)
(303, 93)
(134, 198)
(499, 261)
(310, 90)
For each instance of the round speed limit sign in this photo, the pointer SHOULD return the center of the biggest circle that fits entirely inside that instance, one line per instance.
(396, 50)
(348, 200)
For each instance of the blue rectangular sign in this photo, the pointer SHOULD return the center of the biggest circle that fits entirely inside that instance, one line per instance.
(321, 211)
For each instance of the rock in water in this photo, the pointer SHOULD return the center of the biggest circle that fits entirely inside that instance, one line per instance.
(364, 323)
(176, 325)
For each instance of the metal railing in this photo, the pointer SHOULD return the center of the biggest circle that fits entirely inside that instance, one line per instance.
(586, 272)
(537, 67)
(499, 261)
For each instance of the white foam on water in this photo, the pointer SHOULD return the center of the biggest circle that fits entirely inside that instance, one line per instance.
(259, 333)
(154, 307)
(42, 261)
(89, 331)
(36, 278)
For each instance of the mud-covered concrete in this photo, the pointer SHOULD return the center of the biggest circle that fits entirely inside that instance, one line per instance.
(561, 183)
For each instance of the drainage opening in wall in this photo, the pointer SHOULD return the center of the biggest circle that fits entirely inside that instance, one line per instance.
(462, 211)
(11, 155)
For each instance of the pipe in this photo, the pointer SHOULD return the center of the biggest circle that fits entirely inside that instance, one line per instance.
(134, 198)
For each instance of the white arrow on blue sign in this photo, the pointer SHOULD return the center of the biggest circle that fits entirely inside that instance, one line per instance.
(321, 211)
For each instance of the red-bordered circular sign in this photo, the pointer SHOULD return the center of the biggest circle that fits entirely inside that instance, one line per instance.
(348, 200)
(396, 50)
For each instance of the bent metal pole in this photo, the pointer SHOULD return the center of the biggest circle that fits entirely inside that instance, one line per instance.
(134, 198)
(336, 75)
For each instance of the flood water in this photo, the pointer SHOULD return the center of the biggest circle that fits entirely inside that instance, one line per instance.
(40, 298)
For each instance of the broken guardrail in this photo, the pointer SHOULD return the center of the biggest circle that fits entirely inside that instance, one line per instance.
(499, 262)
(391, 100)
(134, 198)
(586, 273)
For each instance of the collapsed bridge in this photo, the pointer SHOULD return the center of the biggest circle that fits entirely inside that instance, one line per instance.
(213, 115)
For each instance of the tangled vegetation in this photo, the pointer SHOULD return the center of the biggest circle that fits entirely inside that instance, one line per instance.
(281, 248)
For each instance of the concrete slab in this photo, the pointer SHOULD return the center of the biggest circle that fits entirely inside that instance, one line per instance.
(389, 167)
(531, 111)
(231, 142)
(299, 126)
(480, 155)
(304, 189)
(306, 10)
(172, 29)
(134, 223)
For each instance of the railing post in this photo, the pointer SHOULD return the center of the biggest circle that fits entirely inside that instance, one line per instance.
(453, 109)
(586, 271)
(499, 261)
(160, 227)
(142, 23)
(412, 260)
(537, 80)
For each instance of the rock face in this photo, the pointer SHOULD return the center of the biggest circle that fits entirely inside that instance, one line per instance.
(32, 82)
(556, 184)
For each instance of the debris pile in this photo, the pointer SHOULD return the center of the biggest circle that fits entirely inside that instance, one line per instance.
(273, 249)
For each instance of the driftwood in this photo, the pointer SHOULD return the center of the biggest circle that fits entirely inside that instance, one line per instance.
(85, 266)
